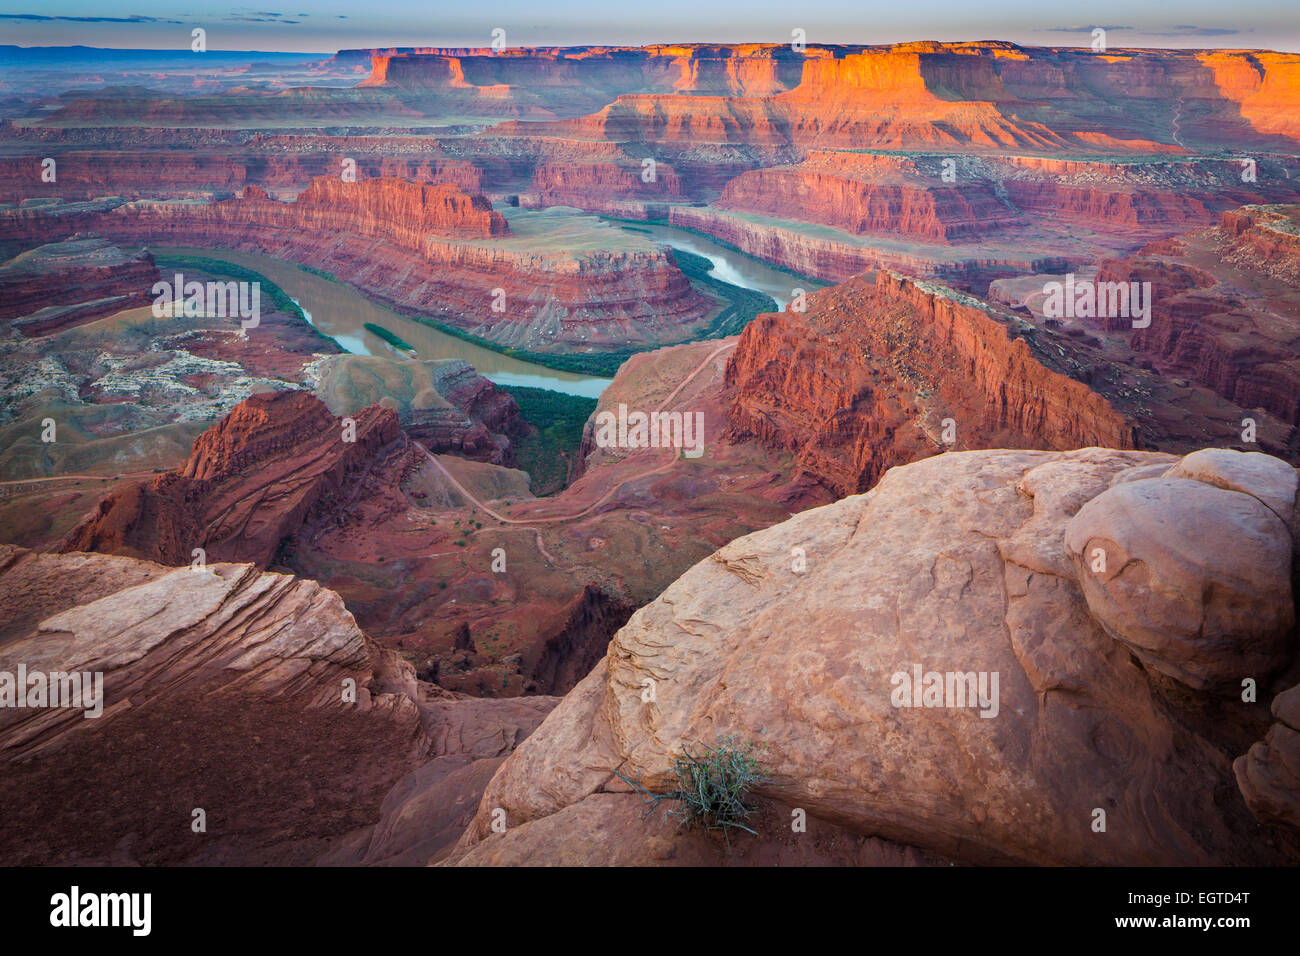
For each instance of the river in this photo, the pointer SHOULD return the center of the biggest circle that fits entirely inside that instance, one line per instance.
(730, 265)
(341, 312)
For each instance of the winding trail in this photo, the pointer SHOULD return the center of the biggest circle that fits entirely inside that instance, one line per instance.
(1175, 126)
(122, 477)
(612, 491)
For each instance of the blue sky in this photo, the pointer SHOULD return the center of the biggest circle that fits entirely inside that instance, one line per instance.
(328, 25)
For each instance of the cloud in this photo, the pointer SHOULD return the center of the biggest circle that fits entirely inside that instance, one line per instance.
(1186, 31)
(1179, 30)
(273, 18)
(133, 18)
(1079, 29)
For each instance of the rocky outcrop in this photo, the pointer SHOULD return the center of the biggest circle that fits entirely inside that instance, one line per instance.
(882, 370)
(1265, 238)
(938, 673)
(443, 404)
(230, 627)
(1267, 774)
(492, 415)
(866, 193)
(61, 285)
(1204, 615)
(278, 461)
(228, 716)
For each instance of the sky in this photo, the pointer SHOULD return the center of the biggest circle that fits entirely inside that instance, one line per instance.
(329, 25)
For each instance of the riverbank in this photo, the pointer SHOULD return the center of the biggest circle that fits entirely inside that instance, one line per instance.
(342, 312)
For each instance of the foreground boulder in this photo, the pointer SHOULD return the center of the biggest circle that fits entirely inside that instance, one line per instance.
(224, 716)
(931, 665)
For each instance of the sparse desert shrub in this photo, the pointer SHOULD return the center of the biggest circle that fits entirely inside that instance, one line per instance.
(713, 786)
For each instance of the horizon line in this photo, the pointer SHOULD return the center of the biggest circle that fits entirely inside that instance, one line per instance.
(640, 46)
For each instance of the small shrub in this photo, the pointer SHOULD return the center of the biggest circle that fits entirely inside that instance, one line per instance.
(713, 785)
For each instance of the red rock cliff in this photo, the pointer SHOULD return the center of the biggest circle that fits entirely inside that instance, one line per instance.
(279, 459)
(865, 379)
(865, 193)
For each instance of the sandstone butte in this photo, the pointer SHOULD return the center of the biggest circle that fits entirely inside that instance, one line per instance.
(279, 460)
(866, 378)
(1120, 681)
(431, 248)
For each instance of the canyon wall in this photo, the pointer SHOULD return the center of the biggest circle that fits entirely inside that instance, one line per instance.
(865, 193)
(883, 370)
(64, 284)
(430, 248)
(838, 260)
(1223, 311)
(225, 688)
(984, 97)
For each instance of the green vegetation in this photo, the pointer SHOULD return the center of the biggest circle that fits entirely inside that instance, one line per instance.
(744, 305)
(808, 282)
(317, 272)
(558, 420)
(269, 291)
(392, 338)
(713, 786)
